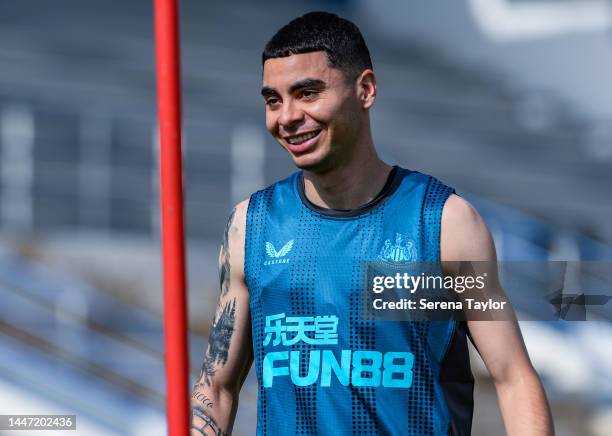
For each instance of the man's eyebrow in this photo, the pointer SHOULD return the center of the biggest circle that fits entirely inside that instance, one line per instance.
(305, 83)
(267, 91)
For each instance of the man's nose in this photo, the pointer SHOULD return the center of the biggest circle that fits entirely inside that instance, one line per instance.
(290, 115)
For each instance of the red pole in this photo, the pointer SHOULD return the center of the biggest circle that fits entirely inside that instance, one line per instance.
(173, 240)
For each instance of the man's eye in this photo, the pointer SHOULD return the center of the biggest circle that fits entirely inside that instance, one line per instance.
(271, 101)
(308, 93)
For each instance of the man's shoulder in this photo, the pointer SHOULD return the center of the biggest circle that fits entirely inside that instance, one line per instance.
(464, 234)
(458, 212)
(241, 208)
(434, 182)
(287, 182)
(423, 178)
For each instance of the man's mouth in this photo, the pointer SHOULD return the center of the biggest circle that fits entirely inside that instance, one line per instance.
(302, 138)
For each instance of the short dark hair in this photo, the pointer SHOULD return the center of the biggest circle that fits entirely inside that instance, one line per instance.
(322, 31)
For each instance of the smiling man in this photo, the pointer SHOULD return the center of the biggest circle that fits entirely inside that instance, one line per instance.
(290, 268)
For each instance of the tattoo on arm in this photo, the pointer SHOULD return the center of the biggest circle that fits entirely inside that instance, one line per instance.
(201, 397)
(224, 267)
(219, 341)
(209, 422)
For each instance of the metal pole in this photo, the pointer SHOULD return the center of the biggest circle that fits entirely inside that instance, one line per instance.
(173, 243)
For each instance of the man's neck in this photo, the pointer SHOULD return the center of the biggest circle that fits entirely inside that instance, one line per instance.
(348, 186)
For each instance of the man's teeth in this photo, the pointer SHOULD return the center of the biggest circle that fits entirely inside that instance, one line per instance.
(301, 138)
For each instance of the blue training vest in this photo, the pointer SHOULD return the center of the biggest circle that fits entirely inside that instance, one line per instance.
(323, 368)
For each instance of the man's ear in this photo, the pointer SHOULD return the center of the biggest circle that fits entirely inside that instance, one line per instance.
(366, 88)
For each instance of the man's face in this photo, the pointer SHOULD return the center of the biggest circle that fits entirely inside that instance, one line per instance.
(312, 110)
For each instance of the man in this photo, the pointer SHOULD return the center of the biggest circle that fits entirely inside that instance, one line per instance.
(290, 268)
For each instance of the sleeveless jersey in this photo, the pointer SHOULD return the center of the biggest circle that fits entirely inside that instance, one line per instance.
(322, 367)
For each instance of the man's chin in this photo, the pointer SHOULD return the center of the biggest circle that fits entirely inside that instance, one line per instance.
(313, 164)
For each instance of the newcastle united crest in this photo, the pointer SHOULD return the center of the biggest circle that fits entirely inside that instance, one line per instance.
(402, 250)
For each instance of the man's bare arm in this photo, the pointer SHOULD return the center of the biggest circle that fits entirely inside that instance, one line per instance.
(523, 404)
(228, 356)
